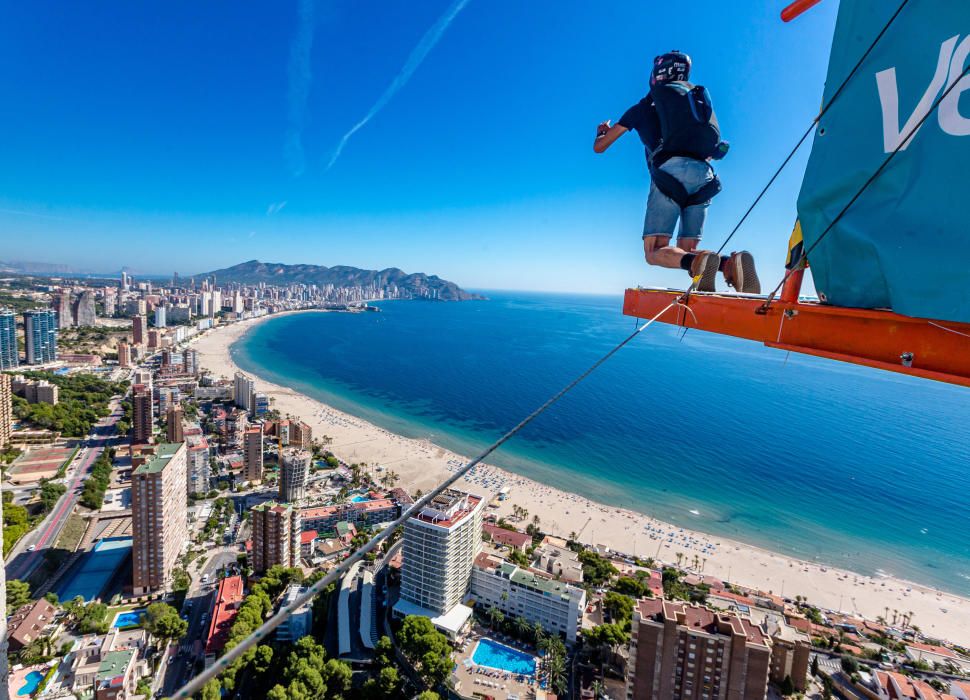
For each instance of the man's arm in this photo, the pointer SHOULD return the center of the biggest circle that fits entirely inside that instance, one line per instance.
(606, 135)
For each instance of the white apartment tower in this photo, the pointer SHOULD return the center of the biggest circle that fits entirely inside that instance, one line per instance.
(440, 547)
(243, 388)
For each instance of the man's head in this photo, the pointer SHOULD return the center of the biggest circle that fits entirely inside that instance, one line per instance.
(674, 65)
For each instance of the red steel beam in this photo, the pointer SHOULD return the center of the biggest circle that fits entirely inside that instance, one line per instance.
(938, 350)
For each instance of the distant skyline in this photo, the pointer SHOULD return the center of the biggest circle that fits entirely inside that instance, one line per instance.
(451, 137)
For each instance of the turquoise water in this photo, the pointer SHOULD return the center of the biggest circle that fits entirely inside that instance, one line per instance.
(96, 570)
(824, 461)
(494, 655)
(130, 618)
(359, 499)
(33, 680)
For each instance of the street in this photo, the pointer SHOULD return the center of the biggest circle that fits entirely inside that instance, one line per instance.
(22, 561)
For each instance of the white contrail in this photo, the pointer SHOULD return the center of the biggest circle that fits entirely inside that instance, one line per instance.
(418, 55)
(300, 77)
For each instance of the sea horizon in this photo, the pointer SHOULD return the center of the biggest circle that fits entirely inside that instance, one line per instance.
(808, 458)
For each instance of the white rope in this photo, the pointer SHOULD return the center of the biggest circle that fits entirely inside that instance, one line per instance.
(948, 330)
(195, 685)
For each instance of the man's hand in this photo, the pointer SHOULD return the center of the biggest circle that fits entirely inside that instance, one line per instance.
(606, 134)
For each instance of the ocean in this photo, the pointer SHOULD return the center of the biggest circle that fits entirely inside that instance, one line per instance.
(844, 465)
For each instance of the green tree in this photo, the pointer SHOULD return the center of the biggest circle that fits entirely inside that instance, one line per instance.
(815, 666)
(619, 606)
(627, 585)
(212, 690)
(18, 594)
(426, 647)
(787, 687)
(428, 695)
(162, 621)
(384, 652)
(390, 681)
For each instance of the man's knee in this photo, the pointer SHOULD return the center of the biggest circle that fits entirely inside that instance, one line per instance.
(688, 244)
(652, 244)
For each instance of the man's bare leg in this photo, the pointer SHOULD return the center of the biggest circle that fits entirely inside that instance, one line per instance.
(658, 251)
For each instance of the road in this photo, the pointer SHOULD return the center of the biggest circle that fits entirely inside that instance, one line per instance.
(23, 562)
(198, 606)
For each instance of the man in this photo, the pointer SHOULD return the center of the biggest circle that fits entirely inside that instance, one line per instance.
(679, 131)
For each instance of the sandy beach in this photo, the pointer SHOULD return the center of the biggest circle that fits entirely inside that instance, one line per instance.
(422, 464)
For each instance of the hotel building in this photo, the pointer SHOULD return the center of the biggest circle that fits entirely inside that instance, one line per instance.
(441, 543)
(142, 415)
(556, 605)
(158, 517)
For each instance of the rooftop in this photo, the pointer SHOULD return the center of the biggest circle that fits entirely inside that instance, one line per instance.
(163, 455)
(113, 665)
(227, 604)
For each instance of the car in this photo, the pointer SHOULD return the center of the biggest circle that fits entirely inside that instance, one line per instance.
(205, 579)
(31, 548)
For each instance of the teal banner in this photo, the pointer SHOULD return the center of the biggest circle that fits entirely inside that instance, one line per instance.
(905, 243)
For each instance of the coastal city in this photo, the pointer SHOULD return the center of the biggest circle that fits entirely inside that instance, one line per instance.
(160, 504)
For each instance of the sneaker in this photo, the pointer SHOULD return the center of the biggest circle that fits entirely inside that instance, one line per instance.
(739, 272)
(704, 269)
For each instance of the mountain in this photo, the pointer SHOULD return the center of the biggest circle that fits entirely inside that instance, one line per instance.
(36, 268)
(254, 272)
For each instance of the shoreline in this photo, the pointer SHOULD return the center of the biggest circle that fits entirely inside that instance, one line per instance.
(422, 464)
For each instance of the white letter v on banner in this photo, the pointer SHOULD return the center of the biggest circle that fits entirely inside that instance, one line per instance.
(892, 135)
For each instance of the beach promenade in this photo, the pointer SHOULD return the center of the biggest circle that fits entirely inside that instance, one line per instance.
(422, 464)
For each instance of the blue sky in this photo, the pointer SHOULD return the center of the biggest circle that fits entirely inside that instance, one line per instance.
(168, 136)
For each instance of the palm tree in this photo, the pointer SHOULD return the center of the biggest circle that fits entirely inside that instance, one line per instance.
(556, 669)
(537, 632)
(680, 557)
(522, 626)
(496, 617)
(572, 535)
(598, 689)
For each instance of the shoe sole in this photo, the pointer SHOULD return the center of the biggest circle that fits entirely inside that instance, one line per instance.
(745, 276)
(708, 276)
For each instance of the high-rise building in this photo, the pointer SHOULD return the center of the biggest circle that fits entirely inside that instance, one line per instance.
(6, 410)
(685, 651)
(791, 652)
(199, 470)
(440, 546)
(190, 361)
(142, 415)
(124, 355)
(64, 309)
(173, 425)
(159, 517)
(243, 389)
(85, 312)
(40, 336)
(110, 295)
(9, 352)
(154, 339)
(160, 320)
(301, 435)
(294, 472)
(276, 536)
(139, 330)
(253, 454)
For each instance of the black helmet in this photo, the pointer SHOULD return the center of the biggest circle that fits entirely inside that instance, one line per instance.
(674, 65)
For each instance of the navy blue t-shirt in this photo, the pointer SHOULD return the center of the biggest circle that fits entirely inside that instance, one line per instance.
(642, 118)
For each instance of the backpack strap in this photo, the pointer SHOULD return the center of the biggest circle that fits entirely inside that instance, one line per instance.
(675, 190)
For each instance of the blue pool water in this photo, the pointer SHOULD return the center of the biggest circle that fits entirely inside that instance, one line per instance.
(96, 570)
(33, 680)
(359, 499)
(490, 653)
(128, 619)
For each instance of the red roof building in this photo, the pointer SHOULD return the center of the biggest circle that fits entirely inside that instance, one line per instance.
(508, 538)
(228, 600)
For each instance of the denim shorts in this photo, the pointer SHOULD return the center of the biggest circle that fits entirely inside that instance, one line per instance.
(663, 212)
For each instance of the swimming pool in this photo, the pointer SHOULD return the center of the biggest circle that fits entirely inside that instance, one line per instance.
(359, 499)
(490, 653)
(32, 680)
(131, 618)
(96, 569)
